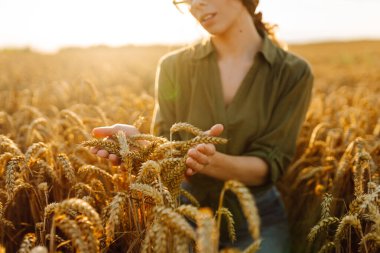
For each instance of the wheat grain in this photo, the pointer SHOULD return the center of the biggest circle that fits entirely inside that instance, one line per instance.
(34, 151)
(188, 211)
(87, 229)
(183, 126)
(115, 211)
(7, 145)
(190, 197)
(230, 222)
(372, 240)
(110, 146)
(322, 225)
(327, 247)
(327, 198)
(149, 171)
(345, 224)
(254, 247)
(202, 139)
(72, 117)
(83, 207)
(68, 170)
(248, 206)
(71, 229)
(32, 127)
(174, 221)
(39, 249)
(28, 243)
(148, 191)
(207, 233)
(160, 237)
(180, 243)
(91, 169)
(10, 177)
(4, 159)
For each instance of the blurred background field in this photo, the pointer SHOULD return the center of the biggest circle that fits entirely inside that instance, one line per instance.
(106, 69)
(43, 95)
(112, 78)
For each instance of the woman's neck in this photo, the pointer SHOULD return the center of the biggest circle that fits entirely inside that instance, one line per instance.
(241, 40)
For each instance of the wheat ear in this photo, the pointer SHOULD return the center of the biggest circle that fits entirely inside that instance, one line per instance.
(186, 127)
(247, 203)
(71, 229)
(28, 243)
(230, 222)
(254, 247)
(68, 170)
(116, 209)
(175, 221)
(190, 197)
(88, 231)
(327, 247)
(322, 224)
(83, 207)
(207, 232)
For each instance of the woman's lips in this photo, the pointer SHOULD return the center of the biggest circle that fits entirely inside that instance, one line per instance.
(207, 18)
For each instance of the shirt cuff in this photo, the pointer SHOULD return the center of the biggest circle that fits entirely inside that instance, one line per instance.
(275, 159)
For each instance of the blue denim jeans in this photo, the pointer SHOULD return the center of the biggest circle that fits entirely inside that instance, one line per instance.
(274, 226)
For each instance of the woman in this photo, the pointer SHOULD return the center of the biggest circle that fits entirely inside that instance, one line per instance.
(243, 87)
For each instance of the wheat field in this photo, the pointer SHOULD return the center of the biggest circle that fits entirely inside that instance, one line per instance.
(55, 196)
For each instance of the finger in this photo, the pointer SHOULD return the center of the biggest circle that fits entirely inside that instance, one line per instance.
(94, 150)
(207, 149)
(198, 156)
(215, 130)
(190, 172)
(193, 164)
(103, 153)
(101, 132)
(114, 159)
(127, 129)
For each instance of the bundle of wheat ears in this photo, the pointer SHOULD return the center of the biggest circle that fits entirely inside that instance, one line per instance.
(332, 188)
(63, 204)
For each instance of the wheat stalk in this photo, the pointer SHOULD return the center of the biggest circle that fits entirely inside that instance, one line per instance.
(247, 203)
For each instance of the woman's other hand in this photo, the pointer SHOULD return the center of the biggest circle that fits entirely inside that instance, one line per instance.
(201, 155)
(107, 131)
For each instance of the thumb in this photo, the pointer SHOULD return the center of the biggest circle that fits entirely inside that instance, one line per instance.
(215, 130)
(101, 132)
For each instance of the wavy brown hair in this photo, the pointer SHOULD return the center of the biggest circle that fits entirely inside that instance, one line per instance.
(257, 17)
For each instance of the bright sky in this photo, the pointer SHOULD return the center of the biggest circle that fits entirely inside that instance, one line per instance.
(51, 24)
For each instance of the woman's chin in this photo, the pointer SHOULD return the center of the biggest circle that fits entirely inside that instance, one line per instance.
(213, 31)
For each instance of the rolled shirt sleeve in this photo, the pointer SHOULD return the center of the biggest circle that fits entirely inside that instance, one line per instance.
(277, 145)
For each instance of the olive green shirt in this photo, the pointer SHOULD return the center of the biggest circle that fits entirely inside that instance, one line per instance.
(263, 119)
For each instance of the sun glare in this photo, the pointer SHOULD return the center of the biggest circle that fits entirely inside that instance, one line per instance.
(47, 24)
(51, 24)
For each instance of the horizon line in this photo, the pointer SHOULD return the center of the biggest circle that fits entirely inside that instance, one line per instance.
(33, 48)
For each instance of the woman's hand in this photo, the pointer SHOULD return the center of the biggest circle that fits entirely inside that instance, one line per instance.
(107, 131)
(201, 155)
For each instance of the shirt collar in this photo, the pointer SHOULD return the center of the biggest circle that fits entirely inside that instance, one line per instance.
(205, 48)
